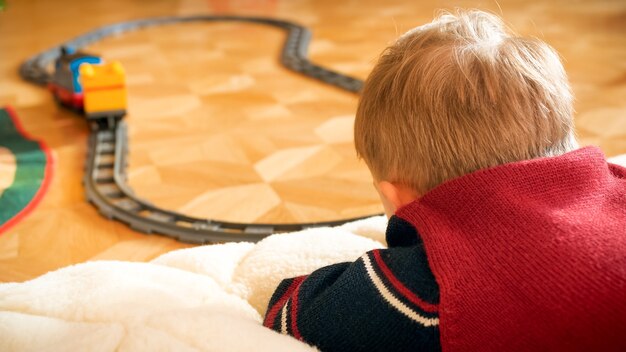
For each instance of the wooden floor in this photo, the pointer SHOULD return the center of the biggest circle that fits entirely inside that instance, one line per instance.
(218, 129)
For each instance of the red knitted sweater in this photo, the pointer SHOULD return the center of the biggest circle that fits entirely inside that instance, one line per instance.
(530, 255)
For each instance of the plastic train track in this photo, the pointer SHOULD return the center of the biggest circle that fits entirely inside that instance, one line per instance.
(105, 171)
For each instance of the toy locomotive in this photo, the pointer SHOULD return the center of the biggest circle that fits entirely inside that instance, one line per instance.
(85, 83)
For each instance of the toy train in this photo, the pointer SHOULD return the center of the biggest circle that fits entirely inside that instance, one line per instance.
(87, 84)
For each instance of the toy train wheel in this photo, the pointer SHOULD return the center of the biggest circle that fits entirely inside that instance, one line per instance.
(106, 122)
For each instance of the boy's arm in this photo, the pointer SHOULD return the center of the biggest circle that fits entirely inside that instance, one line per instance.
(384, 301)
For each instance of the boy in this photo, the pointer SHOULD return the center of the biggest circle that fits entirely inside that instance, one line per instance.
(503, 235)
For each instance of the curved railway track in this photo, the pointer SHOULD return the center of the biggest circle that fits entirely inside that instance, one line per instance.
(105, 171)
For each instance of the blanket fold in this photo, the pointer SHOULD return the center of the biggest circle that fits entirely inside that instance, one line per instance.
(208, 298)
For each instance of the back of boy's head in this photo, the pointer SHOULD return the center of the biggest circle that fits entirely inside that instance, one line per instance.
(458, 95)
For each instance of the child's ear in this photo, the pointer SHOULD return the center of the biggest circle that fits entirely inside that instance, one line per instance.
(397, 194)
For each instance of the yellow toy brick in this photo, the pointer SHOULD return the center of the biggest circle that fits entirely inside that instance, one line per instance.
(104, 89)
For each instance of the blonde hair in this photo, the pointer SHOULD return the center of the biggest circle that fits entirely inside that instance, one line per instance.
(461, 94)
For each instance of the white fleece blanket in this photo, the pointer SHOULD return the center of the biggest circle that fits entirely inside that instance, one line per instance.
(208, 298)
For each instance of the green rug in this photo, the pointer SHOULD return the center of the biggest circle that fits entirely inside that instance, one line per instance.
(33, 170)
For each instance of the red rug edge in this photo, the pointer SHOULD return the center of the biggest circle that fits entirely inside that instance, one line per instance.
(45, 183)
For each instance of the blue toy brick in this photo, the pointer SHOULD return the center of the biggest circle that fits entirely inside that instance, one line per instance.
(74, 68)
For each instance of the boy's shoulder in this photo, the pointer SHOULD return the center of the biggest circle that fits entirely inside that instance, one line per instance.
(523, 244)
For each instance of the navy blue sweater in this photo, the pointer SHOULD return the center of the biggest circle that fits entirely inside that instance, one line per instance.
(527, 256)
(372, 304)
